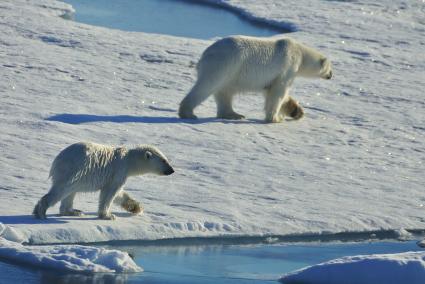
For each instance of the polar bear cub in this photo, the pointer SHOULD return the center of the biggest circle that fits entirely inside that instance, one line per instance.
(244, 64)
(88, 167)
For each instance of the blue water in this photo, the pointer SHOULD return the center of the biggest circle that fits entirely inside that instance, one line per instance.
(173, 17)
(209, 263)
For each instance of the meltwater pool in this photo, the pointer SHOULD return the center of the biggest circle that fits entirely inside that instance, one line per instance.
(183, 18)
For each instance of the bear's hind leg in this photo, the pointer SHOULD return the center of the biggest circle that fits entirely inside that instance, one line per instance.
(186, 108)
(128, 203)
(66, 208)
(199, 93)
(207, 84)
(41, 207)
(224, 106)
(51, 198)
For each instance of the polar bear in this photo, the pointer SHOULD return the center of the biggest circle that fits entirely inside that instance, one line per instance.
(88, 167)
(244, 64)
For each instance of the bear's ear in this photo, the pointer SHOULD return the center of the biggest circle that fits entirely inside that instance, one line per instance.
(148, 155)
(322, 61)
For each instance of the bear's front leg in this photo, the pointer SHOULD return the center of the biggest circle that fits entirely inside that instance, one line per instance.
(292, 108)
(107, 195)
(274, 100)
(128, 203)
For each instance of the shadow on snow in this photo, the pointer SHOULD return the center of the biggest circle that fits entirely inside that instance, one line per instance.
(55, 218)
(71, 118)
(29, 219)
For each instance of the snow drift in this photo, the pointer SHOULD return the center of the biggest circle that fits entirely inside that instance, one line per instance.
(68, 257)
(64, 257)
(399, 268)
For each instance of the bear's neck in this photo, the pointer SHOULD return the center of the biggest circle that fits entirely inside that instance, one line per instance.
(133, 167)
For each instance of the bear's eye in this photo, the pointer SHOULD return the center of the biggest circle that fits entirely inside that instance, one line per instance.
(148, 155)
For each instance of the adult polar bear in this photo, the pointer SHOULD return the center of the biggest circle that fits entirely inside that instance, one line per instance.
(240, 64)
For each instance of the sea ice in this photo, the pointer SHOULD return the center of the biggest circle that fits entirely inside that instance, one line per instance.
(68, 257)
(398, 268)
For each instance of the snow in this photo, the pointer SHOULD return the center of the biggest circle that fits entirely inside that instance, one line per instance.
(408, 267)
(10, 234)
(403, 235)
(68, 257)
(355, 163)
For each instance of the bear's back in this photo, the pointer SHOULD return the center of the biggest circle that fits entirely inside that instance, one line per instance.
(79, 159)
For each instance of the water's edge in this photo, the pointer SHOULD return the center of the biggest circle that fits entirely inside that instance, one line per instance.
(283, 27)
(364, 236)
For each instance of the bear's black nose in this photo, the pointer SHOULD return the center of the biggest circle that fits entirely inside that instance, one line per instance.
(169, 171)
(329, 76)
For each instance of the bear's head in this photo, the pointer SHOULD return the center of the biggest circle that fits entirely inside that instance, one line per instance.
(326, 69)
(148, 159)
(315, 65)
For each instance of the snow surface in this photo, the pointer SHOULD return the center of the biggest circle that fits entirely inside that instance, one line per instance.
(68, 257)
(10, 234)
(398, 268)
(354, 163)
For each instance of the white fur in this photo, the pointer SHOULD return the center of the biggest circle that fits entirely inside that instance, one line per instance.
(240, 64)
(87, 167)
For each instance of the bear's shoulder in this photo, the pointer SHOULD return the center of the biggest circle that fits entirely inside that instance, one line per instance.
(287, 43)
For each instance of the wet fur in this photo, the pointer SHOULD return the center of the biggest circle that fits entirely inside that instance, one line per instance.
(90, 167)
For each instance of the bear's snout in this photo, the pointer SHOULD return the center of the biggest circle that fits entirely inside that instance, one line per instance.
(169, 171)
(329, 75)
